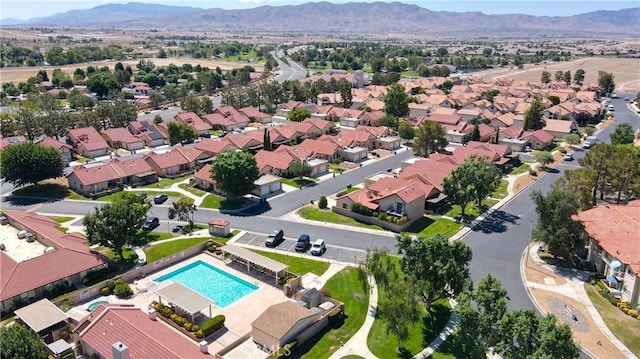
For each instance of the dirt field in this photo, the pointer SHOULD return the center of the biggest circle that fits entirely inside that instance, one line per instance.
(22, 74)
(626, 72)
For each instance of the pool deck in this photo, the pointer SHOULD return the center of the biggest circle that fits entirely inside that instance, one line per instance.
(239, 315)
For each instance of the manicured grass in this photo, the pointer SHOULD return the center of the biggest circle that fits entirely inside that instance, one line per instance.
(353, 356)
(431, 225)
(315, 214)
(231, 204)
(81, 159)
(47, 190)
(289, 182)
(410, 73)
(502, 191)
(624, 327)
(143, 237)
(345, 287)
(297, 265)
(347, 191)
(448, 350)
(472, 211)
(216, 132)
(524, 167)
(61, 219)
(211, 201)
(192, 190)
(150, 195)
(165, 249)
(421, 333)
(243, 56)
(62, 229)
(336, 168)
(167, 182)
(297, 182)
(224, 240)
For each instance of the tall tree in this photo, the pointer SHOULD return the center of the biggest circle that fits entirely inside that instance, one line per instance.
(559, 76)
(183, 209)
(545, 77)
(475, 133)
(298, 114)
(180, 132)
(567, 77)
(18, 341)
(622, 134)
(437, 268)
(115, 224)
(29, 163)
(572, 139)
(190, 104)
(625, 172)
(156, 98)
(235, 173)
(533, 115)
(598, 160)
(399, 312)
(430, 138)
(206, 106)
(378, 264)
(389, 121)
(544, 158)
(555, 228)
(346, 97)
(491, 298)
(606, 82)
(475, 179)
(266, 140)
(396, 101)
(579, 181)
(406, 131)
(578, 77)
(300, 169)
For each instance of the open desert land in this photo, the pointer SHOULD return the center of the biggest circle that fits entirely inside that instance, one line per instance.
(626, 71)
(22, 74)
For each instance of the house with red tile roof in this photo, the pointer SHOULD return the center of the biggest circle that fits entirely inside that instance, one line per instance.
(255, 115)
(538, 140)
(320, 126)
(612, 236)
(326, 150)
(65, 262)
(64, 149)
(120, 137)
(151, 134)
(132, 333)
(13, 140)
(250, 141)
(178, 161)
(99, 178)
(396, 197)
(265, 185)
(276, 163)
(87, 142)
(213, 147)
(194, 121)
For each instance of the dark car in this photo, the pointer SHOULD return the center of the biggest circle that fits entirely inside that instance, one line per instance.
(303, 243)
(161, 198)
(150, 223)
(177, 228)
(274, 238)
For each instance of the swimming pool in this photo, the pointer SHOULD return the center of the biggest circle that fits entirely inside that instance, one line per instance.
(219, 286)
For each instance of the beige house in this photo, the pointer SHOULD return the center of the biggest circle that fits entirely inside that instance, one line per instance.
(281, 324)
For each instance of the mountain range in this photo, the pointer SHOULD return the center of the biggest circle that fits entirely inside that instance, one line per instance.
(356, 18)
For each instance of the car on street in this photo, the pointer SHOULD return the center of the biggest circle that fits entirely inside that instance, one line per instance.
(274, 238)
(150, 223)
(159, 199)
(177, 228)
(303, 243)
(568, 157)
(318, 248)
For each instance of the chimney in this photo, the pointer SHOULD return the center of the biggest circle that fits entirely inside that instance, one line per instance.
(119, 351)
(204, 347)
(152, 314)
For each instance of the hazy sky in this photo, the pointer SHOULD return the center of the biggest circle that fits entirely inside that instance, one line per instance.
(26, 9)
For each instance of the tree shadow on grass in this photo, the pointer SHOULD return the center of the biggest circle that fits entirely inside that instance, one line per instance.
(434, 321)
(303, 349)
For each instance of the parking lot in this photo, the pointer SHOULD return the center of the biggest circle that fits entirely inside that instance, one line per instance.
(336, 253)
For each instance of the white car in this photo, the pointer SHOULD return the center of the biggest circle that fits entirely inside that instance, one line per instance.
(568, 157)
(318, 248)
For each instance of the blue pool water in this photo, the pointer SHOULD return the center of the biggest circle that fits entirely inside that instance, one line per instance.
(221, 287)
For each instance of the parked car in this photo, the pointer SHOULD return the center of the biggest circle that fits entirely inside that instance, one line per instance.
(303, 243)
(161, 198)
(150, 223)
(568, 157)
(318, 248)
(177, 228)
(274, 238)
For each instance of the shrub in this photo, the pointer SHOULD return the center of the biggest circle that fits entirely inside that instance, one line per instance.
(199, 333)
(322, 202)
(194, 328)
(562, 150)
(212, 325)
(105, 291)
(110, 284)
(533, 172)
(122, 289)
(325, 293)
(359, 208)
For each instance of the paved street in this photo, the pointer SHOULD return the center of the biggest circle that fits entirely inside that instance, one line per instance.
(290, 71)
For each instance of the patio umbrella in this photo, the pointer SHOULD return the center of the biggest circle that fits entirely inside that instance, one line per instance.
(611, 279)
(615, 264)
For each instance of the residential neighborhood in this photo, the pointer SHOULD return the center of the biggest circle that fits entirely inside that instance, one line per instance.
(279, 207)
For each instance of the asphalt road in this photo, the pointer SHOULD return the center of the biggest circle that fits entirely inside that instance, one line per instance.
(290, 71)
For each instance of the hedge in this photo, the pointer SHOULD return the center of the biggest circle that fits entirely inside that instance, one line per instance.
(212, 325)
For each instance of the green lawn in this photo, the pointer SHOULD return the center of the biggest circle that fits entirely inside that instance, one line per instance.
(297, 182)
(421, 333)
(162, 250)
(243, 56)
(448, 350)
(345, 287)
(315, 214)
(297, 265)
(150, 195)
(624, 327)
(472, 211)
(167, 182)
(347, 191)
(47, 190)
(192, 190)
(143, 237)
(61, 219)
(502, 191)
(431, 225)
(524, 167)
(211, 201)
(410, 73)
